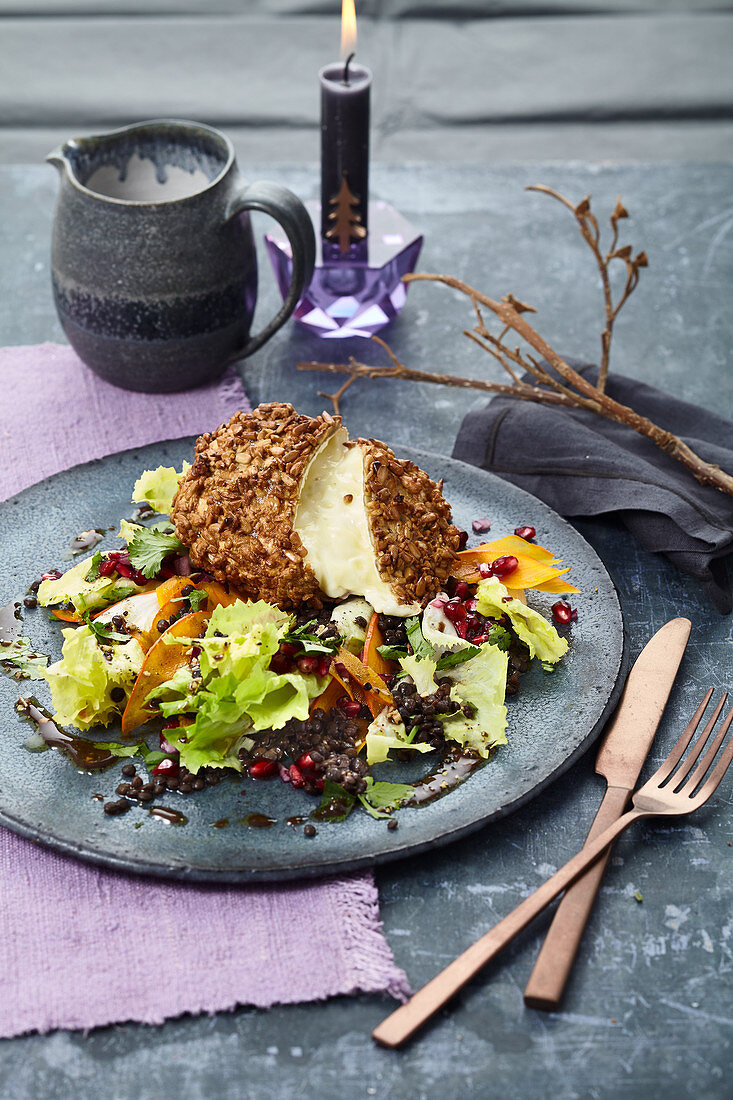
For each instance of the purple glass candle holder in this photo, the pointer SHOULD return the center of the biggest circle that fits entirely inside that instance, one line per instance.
(358, 292)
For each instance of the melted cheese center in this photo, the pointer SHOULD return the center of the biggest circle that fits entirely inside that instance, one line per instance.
(332, 523)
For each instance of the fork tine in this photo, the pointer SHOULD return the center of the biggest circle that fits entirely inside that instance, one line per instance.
(668, 766)
(686, 767)
(700, 771)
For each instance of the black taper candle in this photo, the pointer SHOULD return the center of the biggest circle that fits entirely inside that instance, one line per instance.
(344, 152)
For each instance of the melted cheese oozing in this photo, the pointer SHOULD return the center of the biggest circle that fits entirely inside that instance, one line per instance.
(335, 532)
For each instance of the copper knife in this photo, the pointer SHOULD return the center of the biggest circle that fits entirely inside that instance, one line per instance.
(624, 749)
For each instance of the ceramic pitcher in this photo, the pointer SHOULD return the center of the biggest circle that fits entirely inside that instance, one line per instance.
(153, 260)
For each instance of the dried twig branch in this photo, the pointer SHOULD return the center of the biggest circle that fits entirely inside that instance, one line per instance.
(557, 383)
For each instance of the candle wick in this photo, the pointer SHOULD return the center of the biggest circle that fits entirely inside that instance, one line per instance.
(348, 61)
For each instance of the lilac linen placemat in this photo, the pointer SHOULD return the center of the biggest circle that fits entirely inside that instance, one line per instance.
(214, 947)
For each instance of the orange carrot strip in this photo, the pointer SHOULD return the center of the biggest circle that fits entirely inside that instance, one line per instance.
(372, 657)
(161, 661)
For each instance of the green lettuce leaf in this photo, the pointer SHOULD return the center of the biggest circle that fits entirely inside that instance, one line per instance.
(86, 595)
(480, 682)
(379, 798)
(21, 661)
(420, 647)
(82, 681)
(238, 693)
(158, 487)
(421, 672)
(533, 629)
(387, 732)
(336, 804)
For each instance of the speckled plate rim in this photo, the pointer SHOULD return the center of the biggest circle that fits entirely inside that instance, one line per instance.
(397, 849)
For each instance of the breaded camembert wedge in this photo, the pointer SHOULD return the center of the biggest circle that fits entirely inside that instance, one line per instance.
(289, 510)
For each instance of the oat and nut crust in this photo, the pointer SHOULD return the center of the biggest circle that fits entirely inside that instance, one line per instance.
(235, 510)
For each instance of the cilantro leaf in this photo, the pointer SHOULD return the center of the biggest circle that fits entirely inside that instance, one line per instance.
(17, 658)
(311, 643)
(420, 647)
(450, 660)
(391, 652)
(93, 574)
(499, 636)
(149, 546)
(104, 632)
(336, 804)
(379, 798)
(196, 598)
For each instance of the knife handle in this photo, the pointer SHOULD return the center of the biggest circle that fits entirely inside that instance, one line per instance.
(551, 971)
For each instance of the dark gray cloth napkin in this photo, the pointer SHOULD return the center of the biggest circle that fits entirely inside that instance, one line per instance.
(583, 465)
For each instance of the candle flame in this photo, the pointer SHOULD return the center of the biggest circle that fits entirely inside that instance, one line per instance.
(348, 28)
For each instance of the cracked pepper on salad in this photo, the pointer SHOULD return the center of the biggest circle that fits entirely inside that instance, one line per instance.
(307, 612)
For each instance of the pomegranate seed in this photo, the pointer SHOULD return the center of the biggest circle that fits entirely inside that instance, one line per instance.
(284, 773)
(307, 665)
(481, 526)
(462, 539)
(123, 569)
(461, 629)
(306, 763)
(262, 769)
(296, 776)
(480, 639)
(341, 669)
(279, 663)
(52, 575)
(107, 568)
(288, 649)
(349, 707)
(505, 565)
(324, 663)
(439, 603)
(454, 611)
(168, 768)
(471, 604)
(320, 784)
(472, 622)
(165, 745)
(526, 533)
(484, 570)
(461, 590)
(562, 612)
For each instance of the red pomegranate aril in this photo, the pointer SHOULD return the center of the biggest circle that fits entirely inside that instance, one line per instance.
(280, 663)
(320, 784)
(165, 745)
(563, 613)
(296, 776)
(288, 649)
(454, 611)
(484, 570)
(284, 773)
(462, 539)
(168, 768)
(107, 568)
(461, 590)
(307, 665)
(504, 566)
(349, 707)
(480, 639)
(440, 602)
(481, 526)
(52, 575)
(461, 629)
(263, 769)
(324, 663)
(471, 603)
(526, 533)
(305, 763)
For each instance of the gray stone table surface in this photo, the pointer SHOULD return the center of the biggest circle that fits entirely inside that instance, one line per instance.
(649, 1009)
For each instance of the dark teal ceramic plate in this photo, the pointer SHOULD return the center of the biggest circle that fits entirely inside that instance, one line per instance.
(551, 722)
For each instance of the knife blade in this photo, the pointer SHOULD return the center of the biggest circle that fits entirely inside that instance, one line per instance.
(624, 749)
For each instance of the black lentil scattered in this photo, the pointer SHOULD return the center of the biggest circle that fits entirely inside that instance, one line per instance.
(128, 769)
(392, 824)
(309, 830)
(30, 602)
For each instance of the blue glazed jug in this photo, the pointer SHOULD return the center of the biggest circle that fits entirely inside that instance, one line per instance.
(153, 260)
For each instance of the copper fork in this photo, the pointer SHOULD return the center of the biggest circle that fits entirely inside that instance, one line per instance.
(671, 791)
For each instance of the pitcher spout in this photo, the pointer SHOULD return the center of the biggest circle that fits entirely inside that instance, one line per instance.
(61, 156)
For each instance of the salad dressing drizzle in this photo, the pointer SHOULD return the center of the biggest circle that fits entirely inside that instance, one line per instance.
(449, 774)
(84, 754)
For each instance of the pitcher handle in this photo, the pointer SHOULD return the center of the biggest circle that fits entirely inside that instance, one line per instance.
(288, 210)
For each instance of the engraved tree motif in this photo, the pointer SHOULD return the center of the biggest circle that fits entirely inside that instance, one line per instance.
(347, 225)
